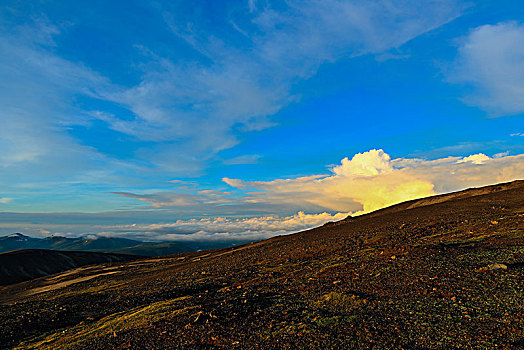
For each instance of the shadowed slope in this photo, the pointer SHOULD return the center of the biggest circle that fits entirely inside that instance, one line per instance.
(23, 265)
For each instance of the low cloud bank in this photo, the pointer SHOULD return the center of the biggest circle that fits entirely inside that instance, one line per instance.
(227, 229)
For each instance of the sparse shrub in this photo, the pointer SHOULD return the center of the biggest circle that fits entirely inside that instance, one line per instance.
(341, 302)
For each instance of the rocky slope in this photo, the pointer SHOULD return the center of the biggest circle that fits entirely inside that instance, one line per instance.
(446, 273)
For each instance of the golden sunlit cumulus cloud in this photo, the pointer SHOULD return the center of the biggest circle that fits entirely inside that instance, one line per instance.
(372, 180)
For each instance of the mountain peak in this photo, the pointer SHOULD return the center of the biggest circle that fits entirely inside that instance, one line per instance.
(18, 235)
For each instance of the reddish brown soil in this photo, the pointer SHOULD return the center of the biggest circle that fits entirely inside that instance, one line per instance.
(420, 275)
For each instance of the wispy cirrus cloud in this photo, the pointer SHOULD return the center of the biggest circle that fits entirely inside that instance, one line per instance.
(235, 85)
(181, 199)
(35, 112)
(247, 159)
(184, 109)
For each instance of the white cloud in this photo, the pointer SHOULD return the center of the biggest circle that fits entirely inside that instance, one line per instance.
(369, 163)
(165, 199)
(491, 58)
(5, 200)
(501, 154)
(367, 182)
(454, 176)
(234, 183)
(219, 228)
(222, 228)
(479, 158)
(252, 5)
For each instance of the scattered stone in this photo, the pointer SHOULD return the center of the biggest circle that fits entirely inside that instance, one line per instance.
(497, 266)
(493, 267)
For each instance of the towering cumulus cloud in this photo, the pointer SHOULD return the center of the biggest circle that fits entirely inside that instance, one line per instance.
(372, 180)
(364, 183)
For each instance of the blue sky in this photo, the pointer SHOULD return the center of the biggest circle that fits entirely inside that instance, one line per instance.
(161, 114)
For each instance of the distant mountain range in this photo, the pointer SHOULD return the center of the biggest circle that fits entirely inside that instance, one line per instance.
(18, 241)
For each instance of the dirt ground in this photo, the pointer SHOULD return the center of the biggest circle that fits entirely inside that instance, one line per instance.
(439, 274)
